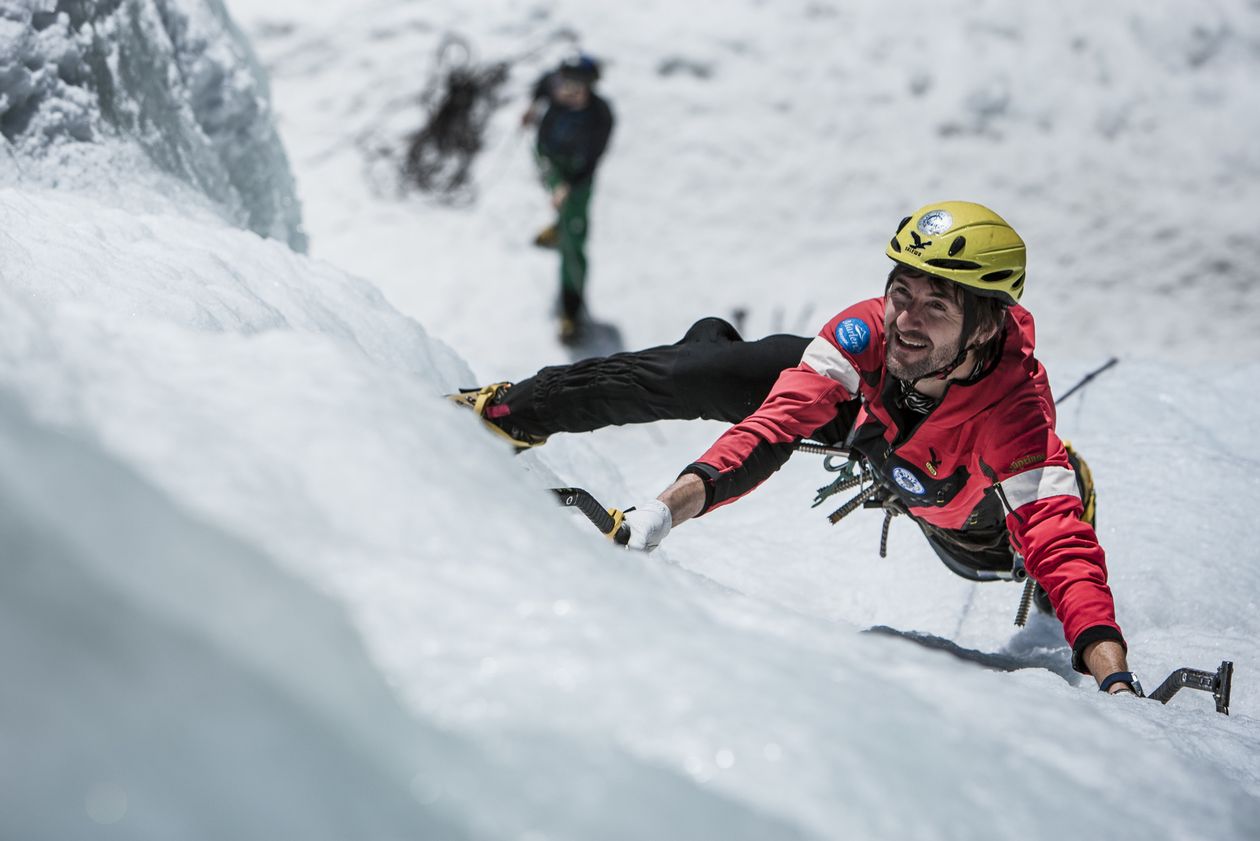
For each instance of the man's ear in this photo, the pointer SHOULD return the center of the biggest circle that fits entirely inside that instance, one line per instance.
(982, 337)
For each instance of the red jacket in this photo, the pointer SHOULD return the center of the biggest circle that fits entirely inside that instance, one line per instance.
(985, 460)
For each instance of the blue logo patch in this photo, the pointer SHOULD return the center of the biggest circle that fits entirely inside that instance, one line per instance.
(908, 481)
(853, 335)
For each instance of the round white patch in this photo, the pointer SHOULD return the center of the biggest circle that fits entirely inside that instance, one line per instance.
(935, 222)
(908, 481)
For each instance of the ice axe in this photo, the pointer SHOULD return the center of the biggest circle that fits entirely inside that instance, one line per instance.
(1218, 683)
(607, 520)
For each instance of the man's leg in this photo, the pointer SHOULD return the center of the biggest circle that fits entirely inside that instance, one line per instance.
(573, 228)
(710, 373)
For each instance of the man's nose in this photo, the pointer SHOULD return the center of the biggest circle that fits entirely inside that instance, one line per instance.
(910, 316)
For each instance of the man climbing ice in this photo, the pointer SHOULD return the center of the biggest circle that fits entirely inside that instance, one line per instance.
(933, 387)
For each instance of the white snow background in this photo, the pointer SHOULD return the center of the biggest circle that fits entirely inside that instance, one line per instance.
(259, 580)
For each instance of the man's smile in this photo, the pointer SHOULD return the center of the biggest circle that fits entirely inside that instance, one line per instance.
(911, 344)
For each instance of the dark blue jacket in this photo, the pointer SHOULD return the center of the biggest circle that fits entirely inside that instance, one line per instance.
(570, 141)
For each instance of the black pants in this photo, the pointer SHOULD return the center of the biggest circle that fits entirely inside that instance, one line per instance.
(711, 373)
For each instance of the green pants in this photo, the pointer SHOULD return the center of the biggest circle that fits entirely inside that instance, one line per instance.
(572, 228)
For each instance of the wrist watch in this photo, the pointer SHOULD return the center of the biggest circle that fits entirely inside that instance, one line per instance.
(1121, 677)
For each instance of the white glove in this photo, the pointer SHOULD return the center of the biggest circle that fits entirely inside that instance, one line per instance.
(649, 524)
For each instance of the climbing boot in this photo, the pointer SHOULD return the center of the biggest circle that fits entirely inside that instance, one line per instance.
(548, 237)
(570, 332)
(487, 403)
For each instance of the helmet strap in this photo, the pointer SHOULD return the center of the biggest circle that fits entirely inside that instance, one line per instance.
(942, 373)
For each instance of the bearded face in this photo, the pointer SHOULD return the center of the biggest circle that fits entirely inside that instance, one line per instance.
(923, 323)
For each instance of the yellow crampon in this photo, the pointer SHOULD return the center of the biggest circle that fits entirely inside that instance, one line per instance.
(479, 399)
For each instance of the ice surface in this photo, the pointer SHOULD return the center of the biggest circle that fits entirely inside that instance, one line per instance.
(259, 580)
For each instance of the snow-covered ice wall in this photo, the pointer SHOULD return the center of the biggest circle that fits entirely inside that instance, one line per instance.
(259, 580)
(102, 95)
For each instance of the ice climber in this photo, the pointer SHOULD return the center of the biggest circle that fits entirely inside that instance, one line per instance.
(933, 385)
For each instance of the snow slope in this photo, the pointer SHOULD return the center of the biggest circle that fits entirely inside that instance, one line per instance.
(261, 581)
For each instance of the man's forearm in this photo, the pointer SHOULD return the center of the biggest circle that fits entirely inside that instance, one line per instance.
(684, 498)
(1105, 657)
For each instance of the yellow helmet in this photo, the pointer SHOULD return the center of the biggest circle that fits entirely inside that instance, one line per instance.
(966, 243)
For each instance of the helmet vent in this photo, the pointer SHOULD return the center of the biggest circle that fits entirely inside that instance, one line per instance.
(959, 243)
(994, 277)
(902, 225)
(944, 263)
(896, 246)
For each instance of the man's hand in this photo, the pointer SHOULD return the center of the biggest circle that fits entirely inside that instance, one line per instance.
(679, 502)
(649, 525)
(558, 195)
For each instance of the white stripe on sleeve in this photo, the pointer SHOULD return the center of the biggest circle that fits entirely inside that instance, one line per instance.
(1041, 483)
(826, 359)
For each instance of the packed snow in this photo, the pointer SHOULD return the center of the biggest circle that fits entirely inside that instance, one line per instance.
(260, 580)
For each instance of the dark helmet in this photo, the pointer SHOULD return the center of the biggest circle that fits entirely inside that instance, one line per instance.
(580, 68)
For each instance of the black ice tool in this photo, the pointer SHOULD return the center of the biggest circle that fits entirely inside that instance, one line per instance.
(1218, 683)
